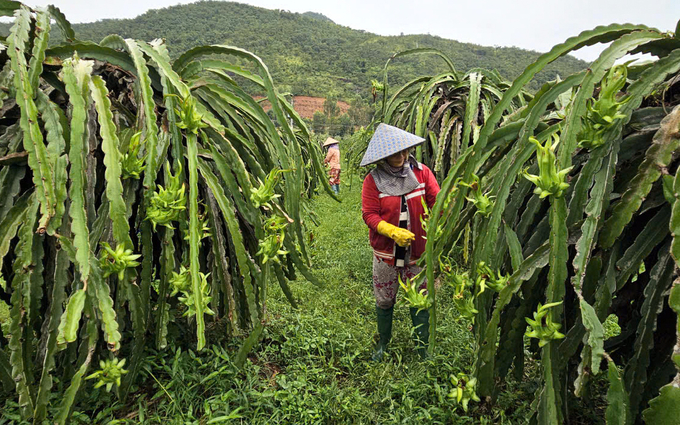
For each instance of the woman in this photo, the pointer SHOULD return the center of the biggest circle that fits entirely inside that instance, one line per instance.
(391, 200)
(333, 160)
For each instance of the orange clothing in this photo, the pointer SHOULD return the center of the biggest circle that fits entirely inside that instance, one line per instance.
(334, 176)
(333, 158)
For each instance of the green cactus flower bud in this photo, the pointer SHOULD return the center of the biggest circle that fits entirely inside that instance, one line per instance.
(603, 112)
(464, 391)
(416, 299)
(425, 220)
(542, 327)
(482, 202)
(117, 261)
(169, 203)
(109, 374)
(465, 304)
(261, 196)
(132, 165)
(271, 246)
(180, 282)
(549, 181)
(188, 117)
(188, 298)
(203, 224)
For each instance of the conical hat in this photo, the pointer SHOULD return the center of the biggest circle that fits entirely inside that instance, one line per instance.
(329, 141)
(387, 141)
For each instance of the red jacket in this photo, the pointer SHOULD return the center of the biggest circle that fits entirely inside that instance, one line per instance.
(376, 207)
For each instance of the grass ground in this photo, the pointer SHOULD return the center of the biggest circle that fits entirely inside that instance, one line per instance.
(313, 364)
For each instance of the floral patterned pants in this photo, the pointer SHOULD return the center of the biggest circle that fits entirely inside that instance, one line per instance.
(386, 281)
(334, 176)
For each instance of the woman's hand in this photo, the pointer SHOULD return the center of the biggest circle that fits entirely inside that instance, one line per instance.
(401, 236)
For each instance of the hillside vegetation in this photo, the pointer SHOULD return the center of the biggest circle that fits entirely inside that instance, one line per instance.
(307, 53)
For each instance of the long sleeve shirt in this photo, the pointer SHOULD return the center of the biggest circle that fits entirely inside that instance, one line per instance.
(333, 158)
(377, 206)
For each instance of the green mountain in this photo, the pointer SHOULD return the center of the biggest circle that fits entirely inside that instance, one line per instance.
(319, 16)
(308, 54)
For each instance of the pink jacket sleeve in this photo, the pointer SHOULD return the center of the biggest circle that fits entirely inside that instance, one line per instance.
(370, 203)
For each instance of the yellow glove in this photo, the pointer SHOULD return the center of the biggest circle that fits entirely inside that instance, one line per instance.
(401, 236)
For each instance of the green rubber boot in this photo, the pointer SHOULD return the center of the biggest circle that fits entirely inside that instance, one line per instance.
(421, 333)
(384, 330)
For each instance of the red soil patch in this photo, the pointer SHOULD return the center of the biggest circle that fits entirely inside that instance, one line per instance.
(307, 105)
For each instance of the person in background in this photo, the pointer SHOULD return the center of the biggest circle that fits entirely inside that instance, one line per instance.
(333, 160)
(391, 203)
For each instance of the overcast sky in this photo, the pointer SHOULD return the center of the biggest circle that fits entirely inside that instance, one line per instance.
(529, 24)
